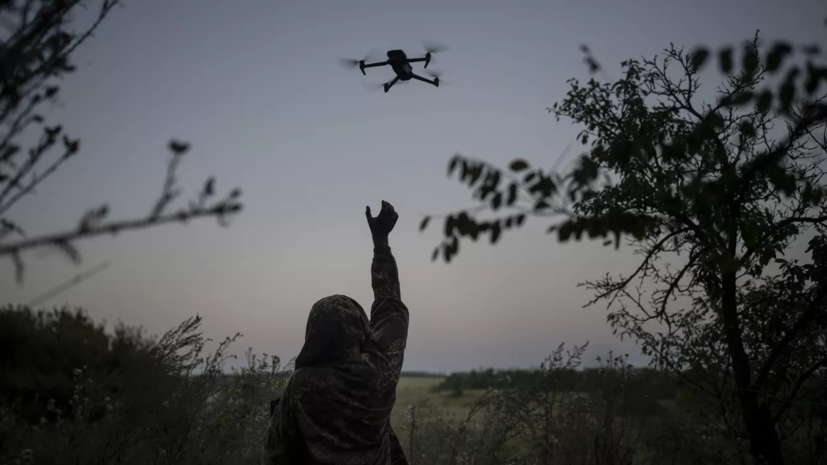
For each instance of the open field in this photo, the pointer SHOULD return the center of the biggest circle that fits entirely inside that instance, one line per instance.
(418, 392)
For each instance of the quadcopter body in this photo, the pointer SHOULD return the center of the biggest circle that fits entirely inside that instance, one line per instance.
(401, 65)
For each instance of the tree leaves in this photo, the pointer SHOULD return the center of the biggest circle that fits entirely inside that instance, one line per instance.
(512, 194)
(700, 181)
(496, 201)
(452, 165)
(776, 55)
(646, 146)
(616, 223)
(518, 165)
(725, 59)
(750, 62)
(699, 57)
(764, 102)
(463, 225)
(424, 223)
(496, 232)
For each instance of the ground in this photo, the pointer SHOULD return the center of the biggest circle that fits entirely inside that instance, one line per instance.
(418, 392)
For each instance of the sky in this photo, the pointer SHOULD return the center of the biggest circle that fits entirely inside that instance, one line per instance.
(256, 87)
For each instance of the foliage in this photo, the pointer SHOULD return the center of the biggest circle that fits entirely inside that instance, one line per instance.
(544, 422)
(648, 118)
(656, 385)
(42, 349)
(538, 423)
(34, 56)
(709, 195)
(174, 404)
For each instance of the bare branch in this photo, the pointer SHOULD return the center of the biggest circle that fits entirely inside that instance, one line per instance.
(115, 227)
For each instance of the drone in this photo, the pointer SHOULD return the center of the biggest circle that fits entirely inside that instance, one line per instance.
(401, 65)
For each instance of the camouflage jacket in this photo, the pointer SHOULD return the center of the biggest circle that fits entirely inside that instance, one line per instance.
(336, 407)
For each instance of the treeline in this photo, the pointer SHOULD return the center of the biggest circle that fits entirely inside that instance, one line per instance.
(43, 354)
(422, 374)
(66, 382)
(651, 383)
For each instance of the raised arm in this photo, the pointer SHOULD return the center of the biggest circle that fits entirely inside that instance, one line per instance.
(388, 315)
(383, 272)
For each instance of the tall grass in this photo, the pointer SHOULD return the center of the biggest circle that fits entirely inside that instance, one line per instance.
(178, 405)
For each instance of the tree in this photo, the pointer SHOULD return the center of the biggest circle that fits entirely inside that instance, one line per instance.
(708, 195)
(41, 350)
(33, 58)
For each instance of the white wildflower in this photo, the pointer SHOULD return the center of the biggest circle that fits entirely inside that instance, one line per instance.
(410, 415)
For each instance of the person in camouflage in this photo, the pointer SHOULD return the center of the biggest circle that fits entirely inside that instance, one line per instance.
(336, 407)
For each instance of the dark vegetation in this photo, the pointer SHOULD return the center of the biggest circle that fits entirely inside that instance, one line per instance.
(73, 392)
(421, 374)
(709, 195)
(712, 195)
(648, 382)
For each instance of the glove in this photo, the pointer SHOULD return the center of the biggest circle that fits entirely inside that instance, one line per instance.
(382, 225)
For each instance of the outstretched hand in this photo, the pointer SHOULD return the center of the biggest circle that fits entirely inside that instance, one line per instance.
(382, 225)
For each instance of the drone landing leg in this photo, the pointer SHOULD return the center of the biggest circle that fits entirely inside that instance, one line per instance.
(390, 84)
(435, 82)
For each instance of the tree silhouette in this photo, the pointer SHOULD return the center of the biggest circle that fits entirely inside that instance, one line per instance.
(709, 195)
(33, 58)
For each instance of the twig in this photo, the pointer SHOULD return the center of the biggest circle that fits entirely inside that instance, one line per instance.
(115, 227)
(55, 291)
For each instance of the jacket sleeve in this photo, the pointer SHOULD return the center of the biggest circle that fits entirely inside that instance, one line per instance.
(280, 446)
(388, 315)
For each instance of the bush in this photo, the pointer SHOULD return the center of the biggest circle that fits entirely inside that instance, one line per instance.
(138, 400)
(132, 399)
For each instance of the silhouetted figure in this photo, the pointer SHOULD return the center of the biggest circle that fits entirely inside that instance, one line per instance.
(336, 407)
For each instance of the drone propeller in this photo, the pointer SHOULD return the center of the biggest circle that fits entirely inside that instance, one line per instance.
(348, 63)
(351, 63)
(434, 47)
(437, 74)
(431, 48)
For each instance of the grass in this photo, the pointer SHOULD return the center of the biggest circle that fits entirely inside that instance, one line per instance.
(418, 392)
(162, 415)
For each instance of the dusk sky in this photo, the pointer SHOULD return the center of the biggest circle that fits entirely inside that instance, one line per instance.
(256, 87)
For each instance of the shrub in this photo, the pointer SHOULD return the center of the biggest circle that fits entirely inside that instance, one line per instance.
(169, 401)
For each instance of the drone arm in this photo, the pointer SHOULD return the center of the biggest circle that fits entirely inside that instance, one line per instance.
(420, 78)
(426, 59)
(362, 66)
(390, 84)
(374, 65)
